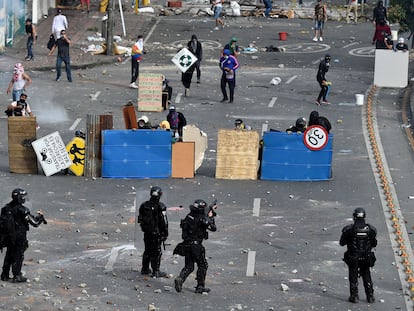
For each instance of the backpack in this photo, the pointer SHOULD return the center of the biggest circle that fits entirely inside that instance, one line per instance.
(183, 121)
(51, 42)
(320, 12)
(174, 120)
(7, 226)
(146, 217)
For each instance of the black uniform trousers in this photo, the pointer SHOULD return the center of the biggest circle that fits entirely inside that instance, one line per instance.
(15, 255)
(152, 253)
(361, 267)
(195, 253)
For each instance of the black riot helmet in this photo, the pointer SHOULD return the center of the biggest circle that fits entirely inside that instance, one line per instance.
(300, 123)
(198, 206)
(18, 195)
(359, 213)
(156, 192)
(327, 58)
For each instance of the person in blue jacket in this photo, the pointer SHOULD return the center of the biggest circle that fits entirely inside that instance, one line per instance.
(228, 65)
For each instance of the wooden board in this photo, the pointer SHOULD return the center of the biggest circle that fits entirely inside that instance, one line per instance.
(76, 151)
(21, 132)
(130, 117)
(183, 160)
(193, 133)
(150, 92)
(237, 154)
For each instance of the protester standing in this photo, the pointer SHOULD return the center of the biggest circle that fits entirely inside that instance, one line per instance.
(320, 17)
(31, 38)
(62, 44)
(19, 82)
(195, 47)
(323, 83)
(136, 57)
(228, 65)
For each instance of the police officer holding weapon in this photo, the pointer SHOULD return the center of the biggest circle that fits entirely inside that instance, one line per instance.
(15, 219)
(153, 220)
(194, 230)
(359, 238)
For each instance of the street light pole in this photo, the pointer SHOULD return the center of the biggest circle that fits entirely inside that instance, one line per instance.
(110, 29)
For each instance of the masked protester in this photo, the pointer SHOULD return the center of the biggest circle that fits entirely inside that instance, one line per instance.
(323, 83)
(154, 223)
(194, 230)
(359, 238)
(14, 224)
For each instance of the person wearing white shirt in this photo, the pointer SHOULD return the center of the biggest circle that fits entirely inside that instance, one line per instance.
(59, 23)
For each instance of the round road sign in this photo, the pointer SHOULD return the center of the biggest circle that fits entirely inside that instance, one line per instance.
(315, 137)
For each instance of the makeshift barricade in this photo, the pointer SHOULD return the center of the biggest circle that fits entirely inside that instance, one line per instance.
(286, 157)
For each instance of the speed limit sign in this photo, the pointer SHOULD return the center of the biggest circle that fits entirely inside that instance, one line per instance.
(315, 137)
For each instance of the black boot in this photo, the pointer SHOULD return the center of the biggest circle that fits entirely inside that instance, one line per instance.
(354, 298)
(145, 270)
(5, 277)
(19, 279)
(201, 289)
(369, 291)
(178, 282)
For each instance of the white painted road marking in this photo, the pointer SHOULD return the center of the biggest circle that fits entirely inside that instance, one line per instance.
(256, 207)
(291, 79)
(272, 102)
(178, 98)
(95, 96)
(251, 258)
(75, 124)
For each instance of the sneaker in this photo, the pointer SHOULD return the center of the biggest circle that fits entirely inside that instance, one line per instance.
(187, 92)
(318, 103)
(315, 39)
(133, 85)
(178, 282)
(224, 100)
(325, 102)
(57, 79)
(320, 39)
(216, 28)
(201, 289)
(264, 15)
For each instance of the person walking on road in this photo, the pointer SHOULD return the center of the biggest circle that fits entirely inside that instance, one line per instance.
(62, 44)
(379, 13)
(217, 6)
(19, 82)
(323, 83)
(381, 35)
(31, 38)
(195, 47)
(194, 230)
(268, 8)
(60, 23)
(352, 6)
(136, 57)
(153, 220)
(360, 238)
(320, 17)
(228, 65)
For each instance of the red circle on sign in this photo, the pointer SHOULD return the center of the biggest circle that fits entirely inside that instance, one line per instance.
(315, 137)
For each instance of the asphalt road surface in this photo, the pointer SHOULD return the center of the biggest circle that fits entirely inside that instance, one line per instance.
(84, 258)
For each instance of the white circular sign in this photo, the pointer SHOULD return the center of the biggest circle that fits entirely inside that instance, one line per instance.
(315, 137)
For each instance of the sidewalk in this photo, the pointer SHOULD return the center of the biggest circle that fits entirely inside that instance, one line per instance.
(83, 30)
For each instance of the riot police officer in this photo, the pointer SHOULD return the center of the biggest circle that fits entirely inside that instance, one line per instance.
(15, 219)
(154, 223)
(194, 231)
(359, 238)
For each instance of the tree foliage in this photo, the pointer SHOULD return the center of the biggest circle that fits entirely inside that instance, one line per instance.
(402, 12)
